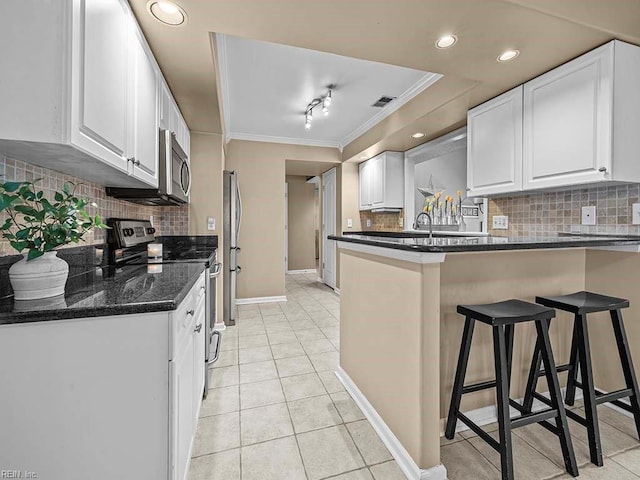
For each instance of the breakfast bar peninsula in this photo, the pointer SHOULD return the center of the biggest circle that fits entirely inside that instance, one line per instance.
(400, 333)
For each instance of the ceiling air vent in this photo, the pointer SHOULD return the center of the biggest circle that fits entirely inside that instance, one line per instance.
(383, 101)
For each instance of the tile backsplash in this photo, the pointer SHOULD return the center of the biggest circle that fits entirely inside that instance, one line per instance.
(548, 213)
(167, 220)
(382, 221)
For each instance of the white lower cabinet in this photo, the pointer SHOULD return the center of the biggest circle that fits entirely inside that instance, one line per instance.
(103, 397)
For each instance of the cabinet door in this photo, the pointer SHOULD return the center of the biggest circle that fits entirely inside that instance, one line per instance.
(145, 115)
(100, 80)
(494, 145)
(365, 185)
(199, 369)
(377, 180)
(182, 412)
(567, 122)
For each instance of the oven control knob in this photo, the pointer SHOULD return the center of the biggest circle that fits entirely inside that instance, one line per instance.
(151, 230)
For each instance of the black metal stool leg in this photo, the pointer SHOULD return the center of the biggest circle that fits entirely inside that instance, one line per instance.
(502, 392)
(570, 396)
(458, 384)
(588, 388)
(627, 365)
(532, 379)
(556, 397)
(508, 338)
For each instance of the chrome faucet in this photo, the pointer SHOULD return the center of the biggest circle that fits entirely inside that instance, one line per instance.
(416, 224)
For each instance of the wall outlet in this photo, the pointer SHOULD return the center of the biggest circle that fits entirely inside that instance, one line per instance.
(589, 215)
(401, 222)
(151, 220)
(500, 222)
(635, 212)
(211, 223)
(368, 222)
(349, 223)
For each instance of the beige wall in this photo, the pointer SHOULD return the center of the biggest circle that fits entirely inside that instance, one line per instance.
(350, 196)
(302, 217)
(261, 174)
(207, 163)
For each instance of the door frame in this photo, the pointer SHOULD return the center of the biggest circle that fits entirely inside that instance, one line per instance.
(329, 203)
(286, 227)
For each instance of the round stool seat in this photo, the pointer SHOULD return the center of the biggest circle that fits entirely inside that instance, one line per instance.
(507, 312)
(580, 303)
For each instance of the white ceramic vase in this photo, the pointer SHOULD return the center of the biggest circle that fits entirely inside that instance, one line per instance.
(42, 277)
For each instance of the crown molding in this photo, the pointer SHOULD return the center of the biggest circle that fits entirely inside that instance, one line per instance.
(417, 88)
(288, 140)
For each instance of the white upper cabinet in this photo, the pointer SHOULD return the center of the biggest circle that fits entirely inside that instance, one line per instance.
(494, 145)
(575, 125)
(382, 182)
(144, 104)
(80, 91)
(579, 120)
(100, 78)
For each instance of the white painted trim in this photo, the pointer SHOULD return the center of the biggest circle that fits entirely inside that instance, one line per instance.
(223, 70)
(219, 327)
(337, 290)
(320, 280)
(297, 272)
(405, 255)
(254, 137)
(618, 248)
(417, 88)
(247, 301)
(400, 454)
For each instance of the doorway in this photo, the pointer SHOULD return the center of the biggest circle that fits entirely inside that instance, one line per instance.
(329, 227)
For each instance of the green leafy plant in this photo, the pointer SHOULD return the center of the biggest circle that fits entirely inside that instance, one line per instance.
(38, 225)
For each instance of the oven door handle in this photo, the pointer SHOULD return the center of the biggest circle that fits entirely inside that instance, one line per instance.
(217, 268)
(218, 336)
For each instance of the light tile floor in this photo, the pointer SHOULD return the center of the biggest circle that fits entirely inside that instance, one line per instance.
(276, 410)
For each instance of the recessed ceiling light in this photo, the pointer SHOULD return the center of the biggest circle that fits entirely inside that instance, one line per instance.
(446, 41)
(167, 12)
(418, 135)
(508, 55)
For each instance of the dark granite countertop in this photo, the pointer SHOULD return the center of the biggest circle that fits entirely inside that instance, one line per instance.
(107, 291)
(420, 242)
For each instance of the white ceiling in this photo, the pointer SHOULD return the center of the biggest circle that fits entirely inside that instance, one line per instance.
(265, 88)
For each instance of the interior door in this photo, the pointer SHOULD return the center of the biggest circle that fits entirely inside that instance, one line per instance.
(329, 227)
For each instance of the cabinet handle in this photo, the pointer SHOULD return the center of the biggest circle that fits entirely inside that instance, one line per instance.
(136, 162)
(131, 159)
(468, 189)
(191, 312)
(602, 169)
(198, 328)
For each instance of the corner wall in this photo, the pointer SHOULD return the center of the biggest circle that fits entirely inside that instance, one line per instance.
(302, 223)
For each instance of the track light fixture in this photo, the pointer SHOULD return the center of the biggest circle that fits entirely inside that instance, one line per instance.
(324, 101)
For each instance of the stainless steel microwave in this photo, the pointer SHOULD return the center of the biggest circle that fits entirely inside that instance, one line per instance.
(174, 177)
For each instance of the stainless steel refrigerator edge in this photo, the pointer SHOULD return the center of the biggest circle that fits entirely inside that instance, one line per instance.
(232, 212)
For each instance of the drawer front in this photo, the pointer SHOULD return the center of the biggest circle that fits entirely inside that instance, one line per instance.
(183, 320)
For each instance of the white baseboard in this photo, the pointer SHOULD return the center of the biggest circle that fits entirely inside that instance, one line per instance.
(400, 454)
(297, 272)
(247, 301)
(319, 279)
(219, 327)
(337, 290)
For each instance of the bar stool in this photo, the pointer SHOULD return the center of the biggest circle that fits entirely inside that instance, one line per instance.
(581, 303)
(502, 317)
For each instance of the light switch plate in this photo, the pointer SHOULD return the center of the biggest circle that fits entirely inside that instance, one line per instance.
(349, 223)
(500, 222)
(589, 215)
(368, 222)
(211, 223)
(635, 219)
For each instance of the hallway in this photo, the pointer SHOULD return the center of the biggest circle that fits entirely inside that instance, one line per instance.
(275, 410)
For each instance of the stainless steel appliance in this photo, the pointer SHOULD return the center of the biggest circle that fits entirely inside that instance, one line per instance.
(127, 244)
(232, 213)
(174, 177)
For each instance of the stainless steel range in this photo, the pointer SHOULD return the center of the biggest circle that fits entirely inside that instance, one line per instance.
(127, 244)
